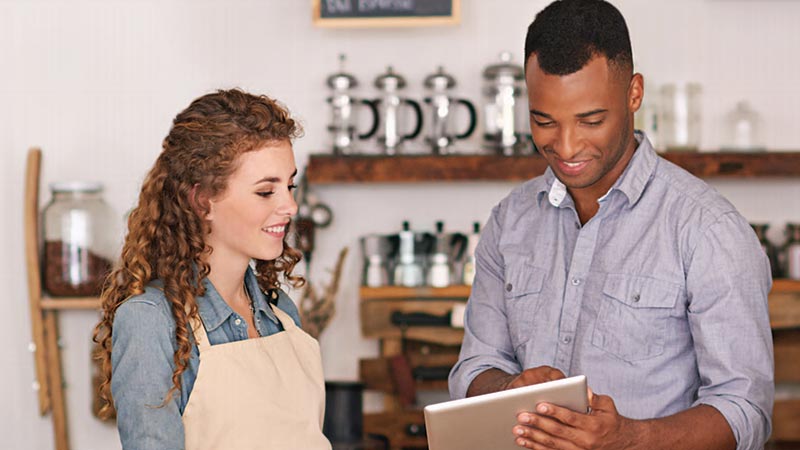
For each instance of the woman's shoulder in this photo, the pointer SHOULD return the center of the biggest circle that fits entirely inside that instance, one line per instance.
(150, 308)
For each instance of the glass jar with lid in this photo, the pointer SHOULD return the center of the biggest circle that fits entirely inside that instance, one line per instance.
(79, 239)
(679, 120)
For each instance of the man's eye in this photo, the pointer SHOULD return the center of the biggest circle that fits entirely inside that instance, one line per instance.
(542, 124)
(593, 123)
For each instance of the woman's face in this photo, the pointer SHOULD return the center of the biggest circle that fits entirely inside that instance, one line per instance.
(249, 218)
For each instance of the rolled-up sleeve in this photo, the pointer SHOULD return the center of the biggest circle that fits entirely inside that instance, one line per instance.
(728, 280)
(142, 366)
(486, 342)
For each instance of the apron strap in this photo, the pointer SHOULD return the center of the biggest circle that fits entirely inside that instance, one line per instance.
(285, 319)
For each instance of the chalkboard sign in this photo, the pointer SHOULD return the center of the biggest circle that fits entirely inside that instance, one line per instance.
(385, 13)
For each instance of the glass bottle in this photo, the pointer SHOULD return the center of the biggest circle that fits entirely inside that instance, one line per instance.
(791, 251)
(79, 240)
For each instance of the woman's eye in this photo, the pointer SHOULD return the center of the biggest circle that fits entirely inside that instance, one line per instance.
(265, 194)
(292, 187)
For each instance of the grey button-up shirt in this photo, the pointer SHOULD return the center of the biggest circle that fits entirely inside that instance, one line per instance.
(660, 299)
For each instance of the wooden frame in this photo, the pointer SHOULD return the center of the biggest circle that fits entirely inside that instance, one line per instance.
(385, 21)
(44, 312)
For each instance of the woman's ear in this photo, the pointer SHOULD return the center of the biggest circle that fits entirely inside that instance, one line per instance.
(199, 200)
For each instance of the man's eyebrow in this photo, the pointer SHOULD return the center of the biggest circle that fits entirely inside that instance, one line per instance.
(269, 179)
(586, 114)
(539, 113)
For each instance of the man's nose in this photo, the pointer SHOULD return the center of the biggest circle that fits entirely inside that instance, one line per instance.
(567, 144)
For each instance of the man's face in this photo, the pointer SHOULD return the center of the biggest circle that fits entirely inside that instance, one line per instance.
(582, 123)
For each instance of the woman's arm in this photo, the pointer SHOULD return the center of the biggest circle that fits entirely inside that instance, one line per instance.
(142, 366)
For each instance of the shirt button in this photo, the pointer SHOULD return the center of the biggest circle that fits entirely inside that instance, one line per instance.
(567, 339)
(576, 281)
(636, 298)
(238, 321)
(509, 287)
(577, 226)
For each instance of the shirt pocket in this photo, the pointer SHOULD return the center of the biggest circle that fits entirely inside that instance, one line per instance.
(522, 292)
(632, 319)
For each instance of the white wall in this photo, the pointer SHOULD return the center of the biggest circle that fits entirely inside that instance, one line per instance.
(96, 83)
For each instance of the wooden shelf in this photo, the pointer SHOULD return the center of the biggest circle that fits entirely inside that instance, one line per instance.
(71, 303)
(785, 285)
(324, 168)
(423, 292)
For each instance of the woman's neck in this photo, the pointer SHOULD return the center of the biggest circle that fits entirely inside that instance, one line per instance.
(228, 278)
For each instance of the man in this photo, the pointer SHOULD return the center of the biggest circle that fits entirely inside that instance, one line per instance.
(616, 264)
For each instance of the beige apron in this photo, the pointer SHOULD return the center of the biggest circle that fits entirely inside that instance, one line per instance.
(261, 393)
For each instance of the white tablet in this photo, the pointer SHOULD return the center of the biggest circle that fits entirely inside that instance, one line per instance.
(486, 421)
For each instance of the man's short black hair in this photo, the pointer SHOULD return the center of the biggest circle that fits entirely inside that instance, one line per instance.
(568, 33)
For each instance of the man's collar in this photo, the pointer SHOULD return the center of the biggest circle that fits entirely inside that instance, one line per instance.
(632, 182)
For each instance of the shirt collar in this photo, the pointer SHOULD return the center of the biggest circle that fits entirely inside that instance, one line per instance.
(214, 310)
(632, 182)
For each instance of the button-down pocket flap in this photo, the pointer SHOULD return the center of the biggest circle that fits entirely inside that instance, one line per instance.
(641, 292)
(523, 279)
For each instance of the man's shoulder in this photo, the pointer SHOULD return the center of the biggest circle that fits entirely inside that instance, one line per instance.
(693, 193)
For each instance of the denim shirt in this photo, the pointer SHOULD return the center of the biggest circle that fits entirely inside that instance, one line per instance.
(143, 345)
(660, 298)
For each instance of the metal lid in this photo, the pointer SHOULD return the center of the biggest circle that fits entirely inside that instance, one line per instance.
(440, 80)
(390, 80)
(504, 68)
(341, 79)
(76, 186)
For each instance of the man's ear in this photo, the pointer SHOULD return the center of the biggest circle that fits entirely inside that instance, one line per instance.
(635, 92)
(200, 201)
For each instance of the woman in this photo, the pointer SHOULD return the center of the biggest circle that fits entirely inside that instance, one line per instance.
(218, 197)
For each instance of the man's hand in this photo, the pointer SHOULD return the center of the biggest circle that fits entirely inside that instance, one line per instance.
(535, 375)
(494, 380)
(554, 427)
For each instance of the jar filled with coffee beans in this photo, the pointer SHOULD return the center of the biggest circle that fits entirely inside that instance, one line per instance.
(79, 240)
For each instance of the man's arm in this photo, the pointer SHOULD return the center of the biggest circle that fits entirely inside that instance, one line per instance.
(487, 345)
(727, 282)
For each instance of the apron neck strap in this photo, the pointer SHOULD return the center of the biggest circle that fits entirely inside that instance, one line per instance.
(285, 319)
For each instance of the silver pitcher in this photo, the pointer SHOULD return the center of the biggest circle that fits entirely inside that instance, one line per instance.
(389, 105)
(343, 116)
(506, 108)
(440, 138)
